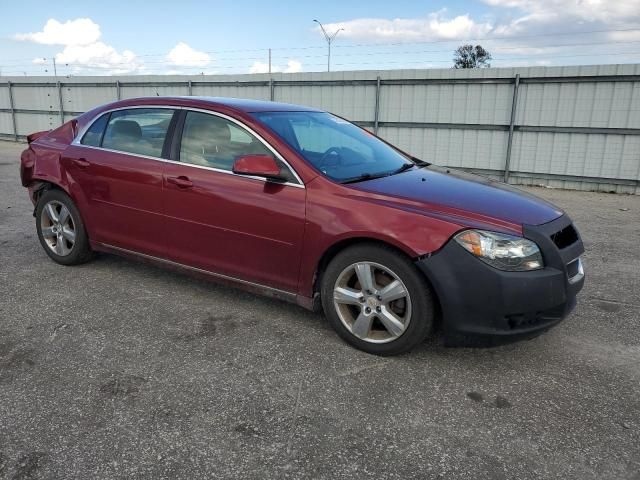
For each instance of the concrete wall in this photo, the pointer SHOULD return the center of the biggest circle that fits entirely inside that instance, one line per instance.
(569, 127)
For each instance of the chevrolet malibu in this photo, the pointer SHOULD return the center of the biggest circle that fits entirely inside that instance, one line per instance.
(302, 205)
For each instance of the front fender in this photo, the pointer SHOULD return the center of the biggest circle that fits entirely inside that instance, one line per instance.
(335, 219)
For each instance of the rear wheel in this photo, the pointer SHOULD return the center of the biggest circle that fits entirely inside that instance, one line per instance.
(61, 230)
(377, 300)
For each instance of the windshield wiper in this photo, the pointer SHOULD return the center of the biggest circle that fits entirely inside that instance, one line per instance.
(404, 167)
(361, 178)
(420, 163)
(370, 176)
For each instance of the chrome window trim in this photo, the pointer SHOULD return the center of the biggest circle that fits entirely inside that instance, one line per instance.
(78, 138)
(77, 141)
(212, 169)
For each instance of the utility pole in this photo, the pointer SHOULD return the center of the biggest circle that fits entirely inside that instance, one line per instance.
(329, 39)
(269, 60)
(55, 70)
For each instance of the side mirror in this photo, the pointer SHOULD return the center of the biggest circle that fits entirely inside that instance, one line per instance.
(258, 166)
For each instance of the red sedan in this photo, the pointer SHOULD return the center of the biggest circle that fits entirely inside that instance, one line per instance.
(303, 205)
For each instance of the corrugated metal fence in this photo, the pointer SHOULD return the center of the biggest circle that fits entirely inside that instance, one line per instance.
(569, 127)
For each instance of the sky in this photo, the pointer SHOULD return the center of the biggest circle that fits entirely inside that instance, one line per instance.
(218, 37)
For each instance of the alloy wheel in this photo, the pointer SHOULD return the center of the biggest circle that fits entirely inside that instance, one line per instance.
(58, 228)
(372, 302)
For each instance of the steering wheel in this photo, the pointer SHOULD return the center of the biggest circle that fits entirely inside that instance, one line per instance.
(325, 156)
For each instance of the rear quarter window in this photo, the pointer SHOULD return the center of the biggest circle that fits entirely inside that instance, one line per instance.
(93, 136)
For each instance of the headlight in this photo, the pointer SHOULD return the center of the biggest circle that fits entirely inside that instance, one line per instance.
(504, 252)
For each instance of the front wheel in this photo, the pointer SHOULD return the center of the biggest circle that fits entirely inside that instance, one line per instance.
(377, 300)
(60, 229)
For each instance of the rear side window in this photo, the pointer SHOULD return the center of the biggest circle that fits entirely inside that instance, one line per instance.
(93, 137)
(140, 131)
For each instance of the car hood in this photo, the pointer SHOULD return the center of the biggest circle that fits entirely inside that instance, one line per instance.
(464, 192)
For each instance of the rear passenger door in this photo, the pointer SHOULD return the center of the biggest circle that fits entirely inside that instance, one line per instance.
(118, 166)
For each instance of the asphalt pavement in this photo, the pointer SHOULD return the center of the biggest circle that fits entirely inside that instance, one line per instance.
(118, 369)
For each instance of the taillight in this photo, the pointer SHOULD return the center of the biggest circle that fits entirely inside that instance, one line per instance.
(27, 160)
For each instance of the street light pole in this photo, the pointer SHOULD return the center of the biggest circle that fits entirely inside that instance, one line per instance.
(329, 39)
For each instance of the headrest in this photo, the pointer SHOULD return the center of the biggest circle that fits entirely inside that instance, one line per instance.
(209, 130)
(126, 128)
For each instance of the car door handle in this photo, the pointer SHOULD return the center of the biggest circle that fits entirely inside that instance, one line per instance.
(181, 181)
(81, 162)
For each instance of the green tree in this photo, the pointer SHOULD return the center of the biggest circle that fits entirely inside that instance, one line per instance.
(468, 56)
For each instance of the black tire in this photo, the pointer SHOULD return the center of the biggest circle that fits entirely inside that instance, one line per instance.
(80, 250)
(423, 310)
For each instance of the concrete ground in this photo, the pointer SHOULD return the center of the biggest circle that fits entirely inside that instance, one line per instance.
(116, 369)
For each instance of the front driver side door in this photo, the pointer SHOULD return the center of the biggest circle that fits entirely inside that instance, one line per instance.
(239, 226)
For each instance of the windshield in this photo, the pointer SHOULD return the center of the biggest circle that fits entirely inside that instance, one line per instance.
(339, 149)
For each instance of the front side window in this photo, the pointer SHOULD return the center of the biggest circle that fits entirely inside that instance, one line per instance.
(339, 149)
(215, 142)
(140, 131)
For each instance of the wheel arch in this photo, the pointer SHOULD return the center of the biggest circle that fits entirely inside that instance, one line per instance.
(40, 186)
(331, 252)
(78, 250)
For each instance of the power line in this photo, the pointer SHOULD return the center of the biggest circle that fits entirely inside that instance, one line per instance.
(165, 63)
(389, 44)
(426, 62)
(512, 37)
(240, 63)
(520, 47)
(358, 64)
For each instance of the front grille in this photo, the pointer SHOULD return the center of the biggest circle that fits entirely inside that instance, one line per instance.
(565, 237)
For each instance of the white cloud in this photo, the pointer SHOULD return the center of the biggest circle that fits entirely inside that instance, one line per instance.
(531, 32)
(81, 31)
(510, 17)
(83, 51)
(260, 67)
(598, 18)
(561, 28)
(587, 10)
(98, 55)
(434, 27)
(293, 66)
(184, 56)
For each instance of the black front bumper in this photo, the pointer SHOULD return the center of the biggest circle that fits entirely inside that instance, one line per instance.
(483, 305)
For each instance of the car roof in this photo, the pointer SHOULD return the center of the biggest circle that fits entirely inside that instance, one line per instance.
(239, 104)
